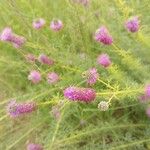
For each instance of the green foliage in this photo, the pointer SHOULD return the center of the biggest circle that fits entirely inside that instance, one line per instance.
(80, 126)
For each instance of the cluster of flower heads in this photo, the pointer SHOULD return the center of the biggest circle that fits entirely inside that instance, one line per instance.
(55, 25)
(35, 76)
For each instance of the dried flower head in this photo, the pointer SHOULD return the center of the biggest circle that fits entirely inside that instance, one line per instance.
(56, 25)
(38, 23)
(91, 76)
(33, 146)
(45, 60)
(102, 35)
(34, 76)
(132, 24)
(104, 60)
(56, 112)
(52, 78)
(80, 94)
(103, 105)
(15, 109)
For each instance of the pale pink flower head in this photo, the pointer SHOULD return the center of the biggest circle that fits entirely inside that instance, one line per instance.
(15, 109)
(56, 25)
(52, 78)
(91, 76)
(147, 90)
(38, 23)
(56, 112)
(34, 76)
(132, 24)
(6, 34)
(148, 111)
(102, 35)
(30, 58)
(83, 2)
(80, 94)
(18, 41)
(45, 60)
(104, 60)
(146, 96)
(33, 146)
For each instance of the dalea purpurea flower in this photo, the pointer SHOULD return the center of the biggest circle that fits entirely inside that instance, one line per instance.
(102, 35)
(34, 146)
(52, 78)
(104, 60)
(8, 36)
(30, 58)
(56, 25)
(91, 76)
(44, 59)
(103, 105)
(15, 109)
(34, 76)
(80, 94)
(132, 24)
(146, 96)
(38, 23)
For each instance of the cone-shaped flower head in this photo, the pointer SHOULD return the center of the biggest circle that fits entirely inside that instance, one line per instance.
(34, 76)
(6, 34)
(18, 41)
(33, 146)
(132, 24)
(102, 35)
(56, 25)
(15, 109)
(91, 76)
(104, 60)
(52, 78)
(38, 23)
(45, 60)
(80, 94)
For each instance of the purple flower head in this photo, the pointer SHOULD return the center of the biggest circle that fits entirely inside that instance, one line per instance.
(83, 2)
(6, 34)
(104, 60)
(30, 58)
(34, 76)
(56, 25)
(80, 94)
(143, 98)
(91, 76)
(18, 41)
(38, 24)
(15, 109)
(148, 111)
(102, 35)
(132, 24)
(52, 78)
(33, 146)
(45, 60)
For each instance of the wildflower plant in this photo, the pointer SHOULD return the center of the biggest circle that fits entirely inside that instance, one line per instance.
(80, 81)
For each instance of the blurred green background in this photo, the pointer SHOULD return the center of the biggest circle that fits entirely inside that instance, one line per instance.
(81, 126)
